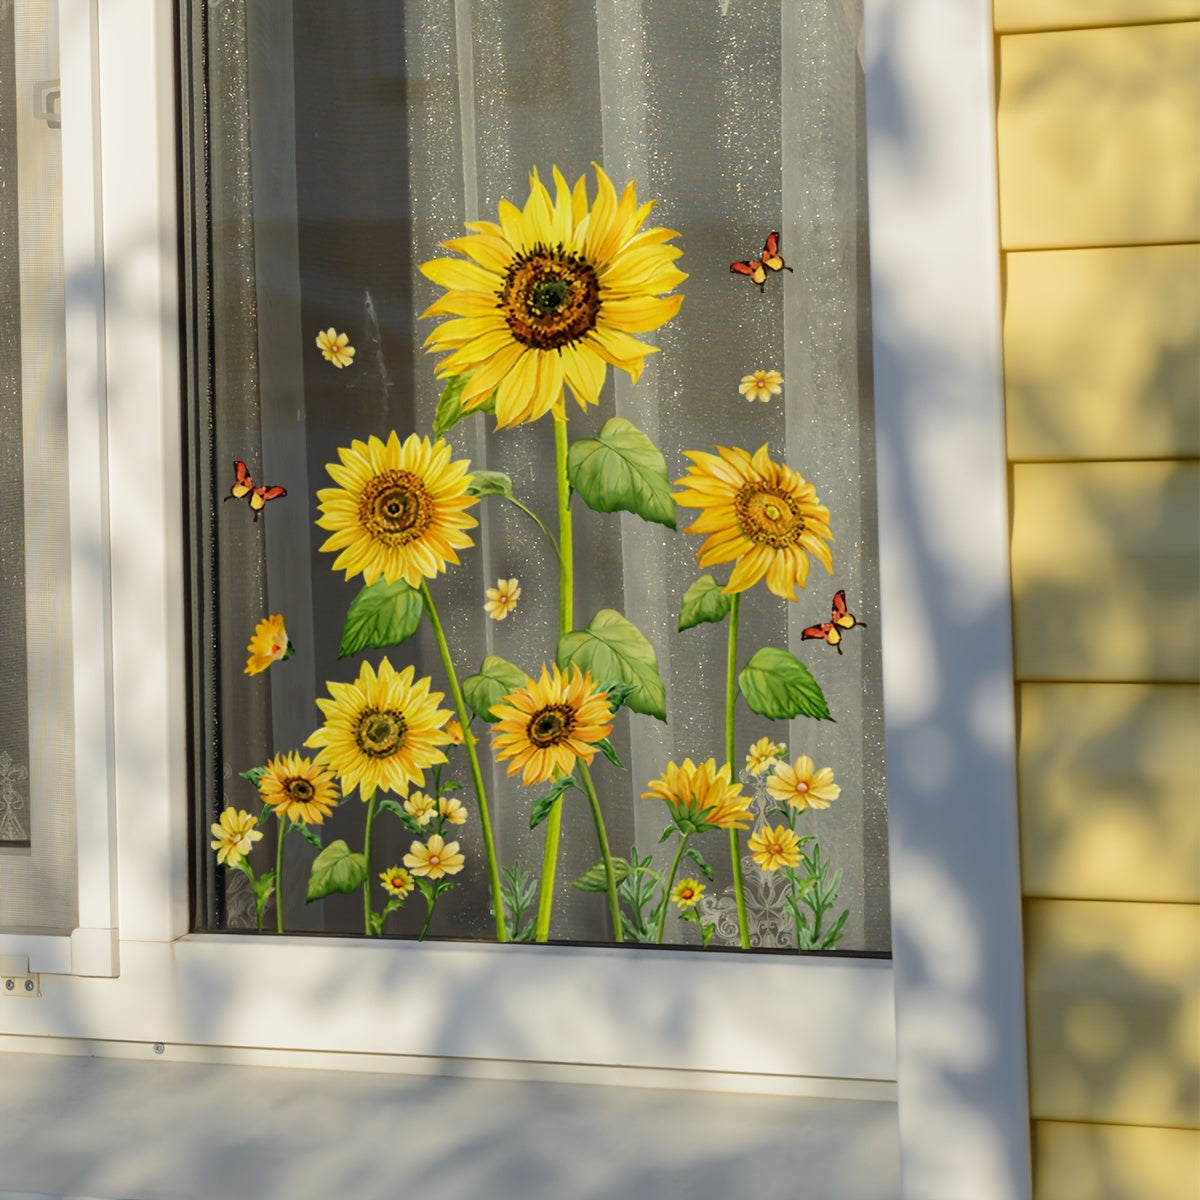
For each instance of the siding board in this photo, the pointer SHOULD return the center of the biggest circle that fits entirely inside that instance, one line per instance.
(1015, 16)
(1102, 353)
(1099, 137)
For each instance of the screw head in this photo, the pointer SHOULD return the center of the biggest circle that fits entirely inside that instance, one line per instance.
(158, 1047)
(29, 985)
(10, 985)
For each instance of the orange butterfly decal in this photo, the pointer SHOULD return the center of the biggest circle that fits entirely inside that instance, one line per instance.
(840, 620)
(769, 260)
(244, 487)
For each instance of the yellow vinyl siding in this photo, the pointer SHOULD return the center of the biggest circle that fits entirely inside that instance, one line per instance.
(1114, 1012)
(1020, 16)
(1106, 559)
(1114, 1162)
(1099, 141)
(1110, 791)
(1099, 159)
(1102, 353)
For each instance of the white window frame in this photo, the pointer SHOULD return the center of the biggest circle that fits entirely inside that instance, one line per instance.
(940, 1026)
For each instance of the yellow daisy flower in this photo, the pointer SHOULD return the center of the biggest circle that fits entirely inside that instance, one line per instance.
(764, 755)
(381, 731)
(758, 512)
(420, 806)
(545, 726)
(701, 797)
(687, 892)
(761, 385)
(269, 644)
(335, 347)
(235, 836)
(299, 789)
(502, 599)
(775, 848)
(434, 858)
(803, 785)
(397, 881)
(551, 296)
(453, 809)
(400, 510)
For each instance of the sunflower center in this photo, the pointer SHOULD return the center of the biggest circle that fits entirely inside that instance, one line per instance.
(551, 725)
(300, 790)
(550, 297)
(380, 734)
(768, 516)
(395, 507)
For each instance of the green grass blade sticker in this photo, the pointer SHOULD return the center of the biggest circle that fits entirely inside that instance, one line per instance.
(622, 470)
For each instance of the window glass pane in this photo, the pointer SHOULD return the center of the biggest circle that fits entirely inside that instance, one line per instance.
(37, 847)
(329, 172)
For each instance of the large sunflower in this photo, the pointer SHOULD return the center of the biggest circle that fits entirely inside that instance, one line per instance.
(759, 512)
(552, 295)
(399, 512)
(701, 797)
(304, 791)
(381, 731)
(545, 726)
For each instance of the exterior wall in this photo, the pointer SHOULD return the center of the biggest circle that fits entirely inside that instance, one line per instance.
(1099, 168)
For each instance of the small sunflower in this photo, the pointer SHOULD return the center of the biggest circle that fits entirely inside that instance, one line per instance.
(764, 755)
(803, 785)
(545, 726)
(701, 797)
(761, 385)
(420, 806)
(552, 295)
(453, 810)
(775, 848)
(758, 512)
(304, 791)
(434, 858)
(269, 644)
(687, 892)
(335, 347)
(381, 731)
(235, 836)
(502, 599)
(400, 510)
(397, 881)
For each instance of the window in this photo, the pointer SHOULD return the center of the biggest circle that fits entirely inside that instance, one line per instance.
(336, 168)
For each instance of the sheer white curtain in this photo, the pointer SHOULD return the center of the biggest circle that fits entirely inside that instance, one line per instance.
(360, 153)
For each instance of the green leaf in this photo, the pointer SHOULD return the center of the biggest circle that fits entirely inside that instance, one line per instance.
(450, 410)
(606, 748)
(613, 648)
(336, 869)
(778, 685)
(307, 834)
(254, 774)
(542, 807)
(622, 470)
(595, 878)
(264, 889)
(700, 861)
(617, 692)
(495, 678)
(406, 818)
(490, 483)
(703, 601)
(382, 614)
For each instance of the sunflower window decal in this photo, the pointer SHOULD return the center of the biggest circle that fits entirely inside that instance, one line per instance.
(556, 623)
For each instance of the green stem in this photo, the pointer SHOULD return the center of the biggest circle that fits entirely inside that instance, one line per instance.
(566, 619)
(283, 828)
(537, 521)
(485, 820)
(429, 901)
(735, 841)
(367, 865)
(666, 897)
(614, 907)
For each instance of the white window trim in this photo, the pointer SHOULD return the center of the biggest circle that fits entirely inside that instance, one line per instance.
(955, 1044)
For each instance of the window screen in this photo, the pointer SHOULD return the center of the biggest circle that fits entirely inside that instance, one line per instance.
(531, 473)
